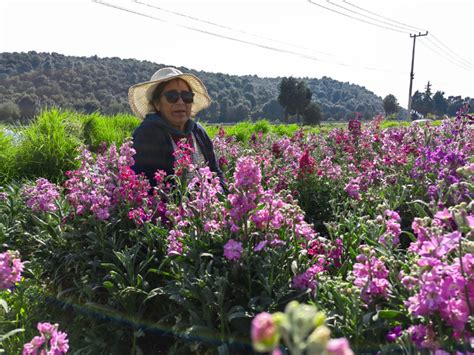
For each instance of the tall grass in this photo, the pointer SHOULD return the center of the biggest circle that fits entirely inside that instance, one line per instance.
(7, 156)
(48, 146)
(99, 129)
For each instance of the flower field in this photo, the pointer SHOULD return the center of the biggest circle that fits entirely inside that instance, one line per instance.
(356, 240)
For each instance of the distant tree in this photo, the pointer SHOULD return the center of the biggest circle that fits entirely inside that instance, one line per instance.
(272, 110)
(417, 101)
(390, 104)
(427, 100)
(27, 106)
(303, 98)
(312, 114)
(91, 106)
(250, 99)
(440, 104)
(286, 98)
(9, 112)
(294, 96)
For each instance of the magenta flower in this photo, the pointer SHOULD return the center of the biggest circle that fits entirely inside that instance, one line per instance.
(371, 277)
(393, 334)
(306, 164)
(233, 250)
(352, 190)
(11, 268)
(247, 173)
(51, 341)
(175, 246)
(183, 158)
(339, 346)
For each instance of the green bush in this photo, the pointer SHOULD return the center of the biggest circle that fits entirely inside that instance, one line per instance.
(48, 147)
(99, 129)
(262, 126)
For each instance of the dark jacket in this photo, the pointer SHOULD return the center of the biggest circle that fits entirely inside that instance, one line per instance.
(154, 149)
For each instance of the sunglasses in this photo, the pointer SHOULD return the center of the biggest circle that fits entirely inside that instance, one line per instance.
(172, 96)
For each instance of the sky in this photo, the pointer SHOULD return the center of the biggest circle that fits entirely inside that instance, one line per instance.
(278, 38)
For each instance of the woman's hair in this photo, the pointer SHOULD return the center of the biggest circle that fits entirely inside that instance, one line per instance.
(161, 86)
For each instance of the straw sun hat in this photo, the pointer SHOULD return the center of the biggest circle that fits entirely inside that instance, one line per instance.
(139, 95)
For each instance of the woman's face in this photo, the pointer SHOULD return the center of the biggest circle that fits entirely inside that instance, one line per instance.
(179, 112)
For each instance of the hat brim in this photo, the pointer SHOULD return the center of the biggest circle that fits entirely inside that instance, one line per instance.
(139, 95)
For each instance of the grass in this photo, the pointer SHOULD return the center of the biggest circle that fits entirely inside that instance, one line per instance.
(7, 156)
(48, 146)
(99, 129)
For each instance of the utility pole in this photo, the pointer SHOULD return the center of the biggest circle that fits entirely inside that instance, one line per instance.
(412, 75)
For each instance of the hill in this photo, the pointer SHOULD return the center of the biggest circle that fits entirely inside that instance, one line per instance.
(29, 81)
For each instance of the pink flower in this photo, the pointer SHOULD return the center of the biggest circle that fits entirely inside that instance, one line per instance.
(352, 190)
(233, 250)
(175, 247)
(51, 341)
(247, 173)
(42, 196)
(10, 269)
(264, 332)
(338, 346)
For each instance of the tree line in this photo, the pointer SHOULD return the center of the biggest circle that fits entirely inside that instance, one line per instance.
(32, 81)
(426, 103)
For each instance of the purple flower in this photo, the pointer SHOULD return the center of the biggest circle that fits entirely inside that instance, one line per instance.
(42, 196)
(233, 250)
(352, 190)
(11, 268)
(175, 247)
(394, 333)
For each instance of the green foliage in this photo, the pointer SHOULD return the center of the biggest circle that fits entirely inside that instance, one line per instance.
(47, 147)
(99, 129)
(7, 156)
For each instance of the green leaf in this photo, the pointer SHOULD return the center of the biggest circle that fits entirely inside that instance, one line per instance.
(108, 284)
(387, 314)
(11, 333)
(4, 305)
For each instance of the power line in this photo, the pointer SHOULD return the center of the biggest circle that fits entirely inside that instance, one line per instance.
(451, 51)
(446, 49)
(226, 27)
(369, 17)
(456, 57)
(448, 54)
(209, 32)
(386, 18)
(355, 18)
(434, 50)
(272, 48)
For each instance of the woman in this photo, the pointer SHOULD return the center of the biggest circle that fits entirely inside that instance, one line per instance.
(166, 104)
